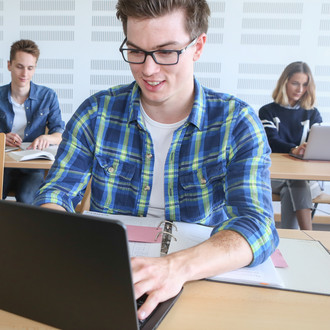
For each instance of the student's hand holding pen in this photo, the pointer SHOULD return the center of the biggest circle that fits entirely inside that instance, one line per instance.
(13, 140)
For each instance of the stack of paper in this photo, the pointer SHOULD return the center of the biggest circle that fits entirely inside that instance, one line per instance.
(188, 235)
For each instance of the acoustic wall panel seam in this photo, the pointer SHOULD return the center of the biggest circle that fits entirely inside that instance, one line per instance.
(103, 5)
(47, 20)
(324, 24)
(43, 5)
(270, 39)
(273, 8)
(259, 68)
(217, 6)
(47, 35)
(325, 8)
(271, 24)
(57, 63)
(105, 21)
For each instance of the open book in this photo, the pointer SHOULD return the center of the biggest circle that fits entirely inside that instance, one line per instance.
(184, 235)
(29, 154)
(9, 149)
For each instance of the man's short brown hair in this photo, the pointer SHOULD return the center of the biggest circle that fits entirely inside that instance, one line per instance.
(197, 12)
(24, 45)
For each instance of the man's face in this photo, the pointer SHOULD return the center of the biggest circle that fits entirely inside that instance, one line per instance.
(22, 69)
(161, 84)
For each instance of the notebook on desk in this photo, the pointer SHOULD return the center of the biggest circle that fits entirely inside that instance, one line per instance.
(70, 271)
(179, 235)
(318, 146)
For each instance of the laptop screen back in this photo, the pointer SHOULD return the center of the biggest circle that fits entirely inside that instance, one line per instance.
(66, 270)
(318, 144)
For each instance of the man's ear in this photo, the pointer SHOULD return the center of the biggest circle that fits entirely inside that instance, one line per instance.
(199, 46)
(8, 65)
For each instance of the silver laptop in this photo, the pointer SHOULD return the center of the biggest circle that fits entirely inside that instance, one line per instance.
(70, 271)
(318, 144)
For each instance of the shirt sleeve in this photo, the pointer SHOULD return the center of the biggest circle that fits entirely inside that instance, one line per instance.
(67, 180)
(55, 123)
(316, 117)
(248, 196)
(277, 144)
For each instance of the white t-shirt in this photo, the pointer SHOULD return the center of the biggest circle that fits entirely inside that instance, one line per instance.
(20, 120)
(161, 135)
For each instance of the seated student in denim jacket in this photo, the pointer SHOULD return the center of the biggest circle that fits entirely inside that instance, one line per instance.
(26, 109)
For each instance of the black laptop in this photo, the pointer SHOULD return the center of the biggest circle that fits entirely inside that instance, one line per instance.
(67, 270)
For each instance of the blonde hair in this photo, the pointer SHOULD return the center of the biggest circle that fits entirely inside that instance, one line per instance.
(280, 96)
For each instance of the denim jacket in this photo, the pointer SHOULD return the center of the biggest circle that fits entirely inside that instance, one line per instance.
(42, 109)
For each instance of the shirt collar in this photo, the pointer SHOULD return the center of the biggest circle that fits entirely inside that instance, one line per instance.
(33, 90)
(296, 106)
(32, 93)
(196, 116)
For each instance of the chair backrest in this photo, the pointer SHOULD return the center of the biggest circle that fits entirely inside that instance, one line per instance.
(2, 160)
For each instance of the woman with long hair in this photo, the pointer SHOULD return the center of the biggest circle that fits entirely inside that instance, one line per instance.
(287, 122)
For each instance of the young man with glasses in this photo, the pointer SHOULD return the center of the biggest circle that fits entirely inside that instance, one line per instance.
(168, 147)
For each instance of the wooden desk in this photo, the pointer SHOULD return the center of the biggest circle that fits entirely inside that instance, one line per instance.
(322, 236)
(211, 305)
(37, 163)
(287, 167)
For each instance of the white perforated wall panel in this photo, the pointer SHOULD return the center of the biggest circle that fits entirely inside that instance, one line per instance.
(249, 44)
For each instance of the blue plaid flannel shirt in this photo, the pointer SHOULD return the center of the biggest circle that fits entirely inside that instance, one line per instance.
(216, 171)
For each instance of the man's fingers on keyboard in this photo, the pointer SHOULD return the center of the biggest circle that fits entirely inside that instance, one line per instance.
(146, 309)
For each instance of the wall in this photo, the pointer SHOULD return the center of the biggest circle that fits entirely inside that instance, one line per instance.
(249, 44)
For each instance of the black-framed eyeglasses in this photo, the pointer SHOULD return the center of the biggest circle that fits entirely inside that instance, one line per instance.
(162, 56)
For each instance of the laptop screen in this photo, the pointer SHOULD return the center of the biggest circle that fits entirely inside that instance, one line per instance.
(66, 270)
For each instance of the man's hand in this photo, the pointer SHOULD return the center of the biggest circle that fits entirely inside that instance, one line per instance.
(40, 143)
(300, 150)
(43, 141)
(159, 278)
(162, 278)
(13, 140)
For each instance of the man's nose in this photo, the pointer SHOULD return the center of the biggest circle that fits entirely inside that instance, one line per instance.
(150, 66)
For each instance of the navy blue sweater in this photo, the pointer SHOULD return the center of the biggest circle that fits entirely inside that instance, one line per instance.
(287, 128)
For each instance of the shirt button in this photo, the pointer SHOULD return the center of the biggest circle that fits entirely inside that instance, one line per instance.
(27, 108)
(149, 156)
(203, 181)
(41, 113)
(111, 169)
(146, 188)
